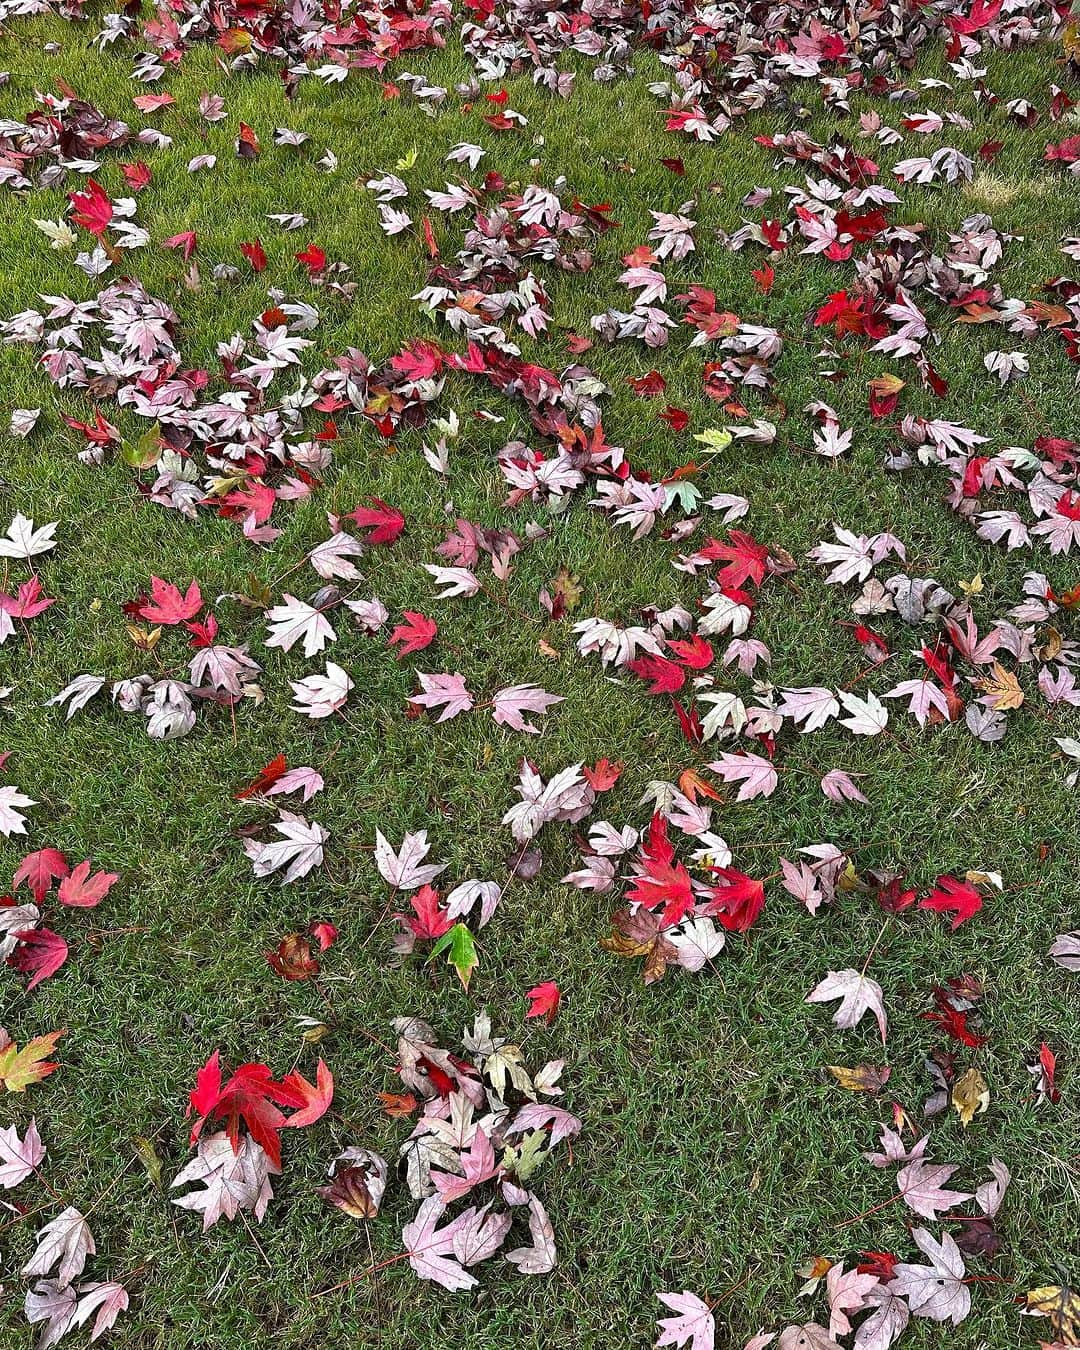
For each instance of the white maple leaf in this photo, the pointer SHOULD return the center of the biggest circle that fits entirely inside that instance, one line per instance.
(19, 1157)
(510, 705)
(331, 558)
(296, 619)
(866, 716)
(23, 541)
(444, 691)
(299, 849)
(321, 695)
(938, 1290)
(542, 1256)
(406, 870)
(429, 1248)
(756, 775)
(456, 581)
(65, 1240)
(693, 1323)
(859, 994)
(11, 820)
(229, 1181)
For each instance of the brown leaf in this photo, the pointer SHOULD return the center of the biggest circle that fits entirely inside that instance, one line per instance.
(1003, 688)
(1062, 1305)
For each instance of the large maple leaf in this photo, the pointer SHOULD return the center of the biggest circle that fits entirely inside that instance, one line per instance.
(953, 896)
(737, 899)
(383, 523)
(661, 880)
(252, 1097)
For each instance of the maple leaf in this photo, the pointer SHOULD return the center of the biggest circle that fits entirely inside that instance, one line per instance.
(444, 691)
(938, 1290)
(293, 958)
(923, 1188)
(23, 541)
(889, 1318)
(666, 677)
(231, 1179)
(541, 1257)
(544, 1000)
(757, 776)
(847, 1292)
(431, 921)
(19, 1069)
(737, 900)
(861, 1077)
(693, 1323)
(40, 953)
(509, 706)
(859, 994)
(19, 1157)
(744, 559)
(167, 606)
(1061, 1305)
(1002, 689)
(477, 1166)
(299, 849)
(603, 775)
(383, 522)
(639, 934)
(40, 869)
(65, 1240)
(405, 870)
(951, 895)
(357, 1183)
(416, 633)
(311, 1100)
(296, 619)
(108, 1299)
(429, 1248)
(11, 820)
(970, 1095)
(93, 208)
(83, 891)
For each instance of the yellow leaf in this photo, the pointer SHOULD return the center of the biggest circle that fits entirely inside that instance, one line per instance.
(974, 586)
(1062, 1306)
(20, 1068)
(860, 1077)
(970, 1096)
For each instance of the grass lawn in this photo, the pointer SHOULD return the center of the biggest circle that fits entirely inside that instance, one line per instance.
(716, 1154)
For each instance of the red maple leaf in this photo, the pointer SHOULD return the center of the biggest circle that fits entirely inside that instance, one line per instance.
(953, 1020)
(186, 240)
(40, 953)
(431, 920)
(663, 881)
(384, 522)
(666, 676)
(697, 653)
(255, 255)
(676, 418)
(603, 775)
(39, 870)
(167, 606)
(313, 258)
(276, 769)
(544, 1000)
(137, 175)
(951, 895)
(746, 558)
(249, 1097)
(416, 633)
(93, 209)
(28, 603)
(83, 891)
(737, 900)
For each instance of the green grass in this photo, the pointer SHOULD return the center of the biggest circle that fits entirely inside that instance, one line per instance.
(715, 1153)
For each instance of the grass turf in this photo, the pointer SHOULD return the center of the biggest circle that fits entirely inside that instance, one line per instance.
(715, 1154)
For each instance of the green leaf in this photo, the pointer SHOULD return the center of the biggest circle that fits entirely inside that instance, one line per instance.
(461, 945)
(406, 162)
(715, 439)
(145, 452)
(148, 1155)
(525, 1160)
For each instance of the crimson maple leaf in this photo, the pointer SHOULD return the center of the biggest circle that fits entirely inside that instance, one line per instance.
(603, 775)
(249, 1097)
(93, 209)
(746, 558)
(737, 900)
(951, 895)
(40, 953)
(953, 1020)
(255, 255)
(385, 523)
(544, 1000)
(666, 676)
(28, 603)
(186, 240)
(167, 605)
(663, 881)
(39, 870)
(313, 258)
(416, 633)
